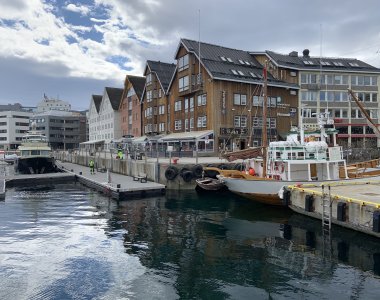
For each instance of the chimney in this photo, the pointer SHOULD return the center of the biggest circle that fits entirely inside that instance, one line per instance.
(306, 53)
(293, 54)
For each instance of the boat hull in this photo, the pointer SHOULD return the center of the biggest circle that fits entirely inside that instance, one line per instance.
(268, 191)
(35, 165)
(209, 185)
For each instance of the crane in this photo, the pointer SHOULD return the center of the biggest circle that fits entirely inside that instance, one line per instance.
(370, 122)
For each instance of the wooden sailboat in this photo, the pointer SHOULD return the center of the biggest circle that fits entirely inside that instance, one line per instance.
(305, 157)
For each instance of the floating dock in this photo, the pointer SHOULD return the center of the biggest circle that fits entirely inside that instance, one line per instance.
(354, 205)
(117, 186)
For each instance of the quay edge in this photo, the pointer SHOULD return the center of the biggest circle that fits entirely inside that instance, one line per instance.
(353, 205)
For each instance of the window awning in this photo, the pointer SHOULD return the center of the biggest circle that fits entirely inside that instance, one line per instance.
(186, 136)
(93, 142)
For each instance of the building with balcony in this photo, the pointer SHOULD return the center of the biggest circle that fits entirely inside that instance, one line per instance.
(130, 106)
(323, 85)
(220, 90)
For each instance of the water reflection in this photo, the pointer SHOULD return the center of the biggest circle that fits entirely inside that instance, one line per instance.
(213, 243)
(68, 242)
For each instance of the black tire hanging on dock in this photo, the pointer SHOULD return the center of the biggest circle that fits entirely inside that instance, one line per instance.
(184, 169)
(197, 170)
(239, 167)
(171, 173)
(223, 166)
(187, 176)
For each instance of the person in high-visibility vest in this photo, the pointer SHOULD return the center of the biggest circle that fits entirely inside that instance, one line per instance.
(92, 166)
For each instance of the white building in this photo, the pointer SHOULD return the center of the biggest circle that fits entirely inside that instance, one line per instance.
(104, 116)
(52, 104)
(13, 126)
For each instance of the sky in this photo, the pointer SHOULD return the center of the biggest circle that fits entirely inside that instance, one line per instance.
(71, 50)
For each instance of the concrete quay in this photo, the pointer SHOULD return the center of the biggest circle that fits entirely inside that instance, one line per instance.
(117, 186)
(354, 205)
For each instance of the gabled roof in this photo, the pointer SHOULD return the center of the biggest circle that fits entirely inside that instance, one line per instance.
(163, 71)
(138, 83)
(97, 101)
(114, 94)
(229, 64)
(306, 62)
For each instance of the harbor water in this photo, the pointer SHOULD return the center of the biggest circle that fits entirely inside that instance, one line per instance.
(69, 242)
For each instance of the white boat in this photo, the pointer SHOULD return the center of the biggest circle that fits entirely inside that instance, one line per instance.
(35, 154)
(305, 157)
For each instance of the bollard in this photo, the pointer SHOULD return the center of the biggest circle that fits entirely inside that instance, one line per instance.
(80, 173)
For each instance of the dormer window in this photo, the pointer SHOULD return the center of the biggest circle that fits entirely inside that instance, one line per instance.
(183, 62)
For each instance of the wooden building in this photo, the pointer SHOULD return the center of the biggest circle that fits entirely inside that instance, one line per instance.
(130, 106)
(221, 90)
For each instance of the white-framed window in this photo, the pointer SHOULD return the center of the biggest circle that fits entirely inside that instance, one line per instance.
(130, 104)
(257, 100)
(240, 99)
(149, 96)
(240, 121)
(161, 127)
(183, 83)
(202, 99)
(191, 123)
(191, 104)
(161, 109)
(202, 121)
(183, 62)
(257, 122)
(186, 124)
(364, 80)
(177, 124)
(149, 79)
(308, 96)
(159, 93)
(178, 105)
(307, 78)
(186, 105)
(130, 120)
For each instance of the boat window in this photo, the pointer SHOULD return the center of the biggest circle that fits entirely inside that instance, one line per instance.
(35, 152)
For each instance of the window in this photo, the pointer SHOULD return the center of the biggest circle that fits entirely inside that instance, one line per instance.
(229, 60)
(353, 64)
(178, 105)
(177, 124)
(186, 105)
(240, 99)
(149, 79)
(161, 110)
(159, 93)
(202, 99)
(325, 63)
(161, 127)
(234, 72)
(307, 78)
(258, 100)
(202, 121)
(191, 104)
(183, 62)
(338, 63)
(183, 83)
(308, 96)
(240, 121)
(223, 58)
(241, 73)
(149, 96)
(308, 62)
(191, 123)
(186, 124)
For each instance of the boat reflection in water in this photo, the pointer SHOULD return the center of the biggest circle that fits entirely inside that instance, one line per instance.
(228, 247)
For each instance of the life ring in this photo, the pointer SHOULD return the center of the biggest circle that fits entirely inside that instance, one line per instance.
(187, 176)
(171, 173)
(197, 170)
(252, 172)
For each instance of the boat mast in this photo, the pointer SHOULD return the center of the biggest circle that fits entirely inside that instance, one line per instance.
(264, 137)
(370, 122)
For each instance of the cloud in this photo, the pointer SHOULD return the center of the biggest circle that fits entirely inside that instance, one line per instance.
(82, 9)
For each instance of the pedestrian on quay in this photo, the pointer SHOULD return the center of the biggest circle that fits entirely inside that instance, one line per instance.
(92, 166)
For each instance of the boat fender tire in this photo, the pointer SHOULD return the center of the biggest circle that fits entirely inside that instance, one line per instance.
(286, 197)
(184, 169)
(187, 176)
(171, 173)
(197, 170)
(239, 167)
(223, 167)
